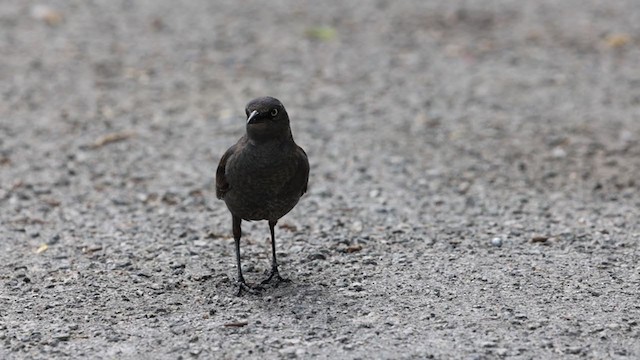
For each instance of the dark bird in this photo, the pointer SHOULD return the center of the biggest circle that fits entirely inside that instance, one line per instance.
(262, 176)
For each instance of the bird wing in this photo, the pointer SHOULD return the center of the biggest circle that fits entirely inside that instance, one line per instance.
(222, 185)
(300, 177)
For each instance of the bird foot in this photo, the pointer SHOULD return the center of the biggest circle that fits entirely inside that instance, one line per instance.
(243, 287)
(275, 277)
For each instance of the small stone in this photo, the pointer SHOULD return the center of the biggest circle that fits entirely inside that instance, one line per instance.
(613, 326)
(539, 239)
(296, 249)
(403, 228)
(195, 352)
(54, 239)
(62, 337)
(533, 326)
(236, 324)
(488, 344)
(155, 286)
(356, 286)
(317, 256)
(463, 187)
(496, 241)
(200, 243)
(368, 260)
(33, 233)
(558, 153)
(289, 352)
(574, 350)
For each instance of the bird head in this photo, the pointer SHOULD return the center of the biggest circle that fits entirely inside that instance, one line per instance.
(267, 119)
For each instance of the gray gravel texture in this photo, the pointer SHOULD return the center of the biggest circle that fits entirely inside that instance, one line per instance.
(473, 194)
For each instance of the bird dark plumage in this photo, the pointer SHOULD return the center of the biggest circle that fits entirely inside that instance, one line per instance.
(263, 175)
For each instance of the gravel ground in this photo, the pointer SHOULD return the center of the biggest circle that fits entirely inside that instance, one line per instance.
(474, 182)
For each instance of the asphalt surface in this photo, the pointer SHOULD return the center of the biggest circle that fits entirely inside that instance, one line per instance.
(473, 192)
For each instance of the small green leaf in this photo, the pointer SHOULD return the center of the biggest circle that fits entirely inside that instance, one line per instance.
(322, 33)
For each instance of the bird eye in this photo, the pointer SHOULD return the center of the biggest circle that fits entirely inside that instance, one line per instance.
(274, 112)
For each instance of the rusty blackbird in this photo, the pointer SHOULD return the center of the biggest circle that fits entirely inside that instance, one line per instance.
(262, 176)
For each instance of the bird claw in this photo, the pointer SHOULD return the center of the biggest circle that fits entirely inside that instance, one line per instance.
(243, 287)
(275, 276)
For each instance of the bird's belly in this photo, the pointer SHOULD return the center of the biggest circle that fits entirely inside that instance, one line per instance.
(254, 205)
(258, 186)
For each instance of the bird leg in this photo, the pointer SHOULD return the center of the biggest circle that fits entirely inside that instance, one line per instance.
(274, 274)
(242, 285)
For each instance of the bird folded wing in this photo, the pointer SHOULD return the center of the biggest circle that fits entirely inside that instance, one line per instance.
(300, 177)
(222, 185)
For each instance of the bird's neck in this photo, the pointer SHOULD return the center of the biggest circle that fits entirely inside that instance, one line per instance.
(259, 139)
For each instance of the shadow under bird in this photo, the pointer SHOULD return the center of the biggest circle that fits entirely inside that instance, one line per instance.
(262, 176)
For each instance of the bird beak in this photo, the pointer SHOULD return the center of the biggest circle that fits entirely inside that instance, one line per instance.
(252, 116)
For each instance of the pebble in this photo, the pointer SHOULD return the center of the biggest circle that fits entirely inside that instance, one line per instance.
(62, 336)
(558, 153)
(32, 232)
(317, 256)
(289, 352)
(296, 249)
(357, 226)
(155, 286)
(195, 352)
(496, 241)
(613, 326)
(54, 239)
(368, 260)
(356, 286)
(201, 243)
(574, 350)
(488, 344)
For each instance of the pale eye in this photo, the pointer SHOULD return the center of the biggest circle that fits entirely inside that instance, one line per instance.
(274, 112)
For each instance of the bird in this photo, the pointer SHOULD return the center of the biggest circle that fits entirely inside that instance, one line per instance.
(262, 177)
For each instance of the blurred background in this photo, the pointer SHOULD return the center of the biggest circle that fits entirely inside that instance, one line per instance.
(396, 103)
